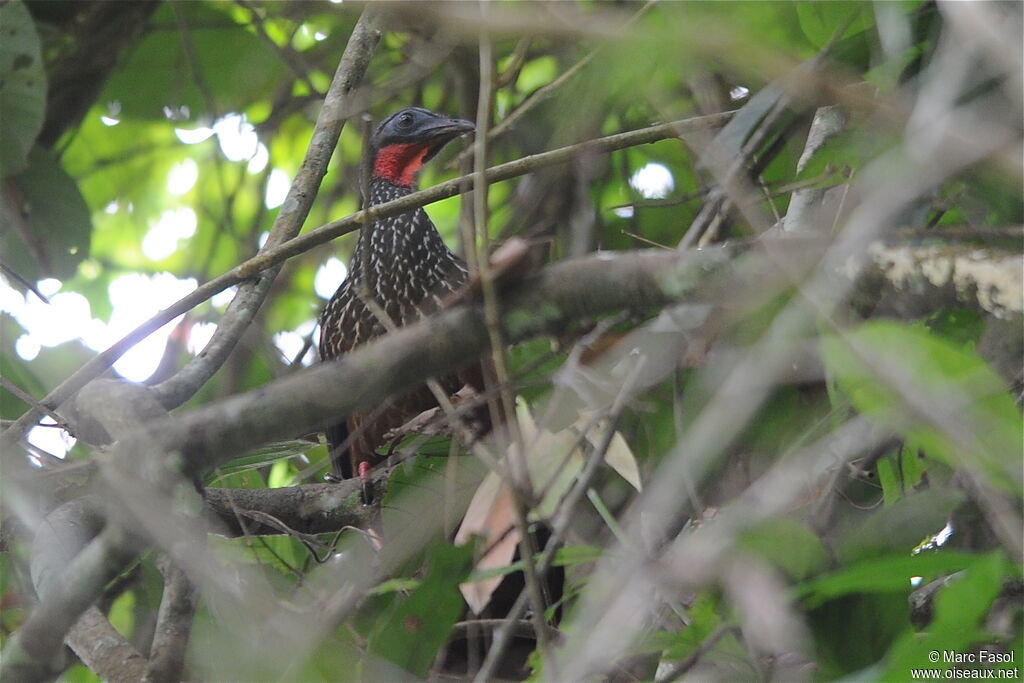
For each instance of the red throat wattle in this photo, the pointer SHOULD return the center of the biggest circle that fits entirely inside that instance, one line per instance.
(399, 163)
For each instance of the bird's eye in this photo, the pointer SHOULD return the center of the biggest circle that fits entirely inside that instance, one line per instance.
(405, 120)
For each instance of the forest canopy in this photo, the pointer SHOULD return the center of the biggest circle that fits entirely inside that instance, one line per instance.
(746, 283)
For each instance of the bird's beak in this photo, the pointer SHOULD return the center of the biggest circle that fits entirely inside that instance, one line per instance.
(448, 128)
(443, 131)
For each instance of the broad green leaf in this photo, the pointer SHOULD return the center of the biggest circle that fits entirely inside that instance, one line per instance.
(19, 373)
(958, 325)
(412, 634)
(960, 608)
(22, 87)
(854, 631)
(283, 553)
(536, 73)
(901, 525)
(240, 469)
(787, 544)
(822, 21)
(890, 573)
(913, 466)
(935, 392)
(242, 478)
(122, 613)
(443, 486)
(79, 673)
(231, 66)
(891, 489)
(703, 618)
(46, 232)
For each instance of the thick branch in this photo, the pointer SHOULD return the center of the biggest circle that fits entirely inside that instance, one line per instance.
(308, 509)
(549, 301)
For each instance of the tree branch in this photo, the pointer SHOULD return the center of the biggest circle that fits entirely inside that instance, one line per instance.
(174, 623)
(307, 509)
(336, 108)
(548, 301)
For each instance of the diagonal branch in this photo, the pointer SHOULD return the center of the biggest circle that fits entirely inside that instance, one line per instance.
(336, 108)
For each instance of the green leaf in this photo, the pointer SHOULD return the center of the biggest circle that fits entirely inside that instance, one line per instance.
(958, 626)
(231, 66)
(536, 73)
(891, 573)
(122, 613)
(912, 466)
(855, 631)
(17, 372)
(79, 673)
(821, 21)
(958, 325)
(927, 389)
(787, 544)
(242, 479)
(703, 618)
(412, 634)
(22, 87)
(244, 472)
(46, 234)
(283, 553)
(902, 525)
(891, 489)
(442, 485)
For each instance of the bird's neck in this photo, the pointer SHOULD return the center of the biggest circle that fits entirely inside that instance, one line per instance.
(383, 190)
(395, 240)
(398, 164)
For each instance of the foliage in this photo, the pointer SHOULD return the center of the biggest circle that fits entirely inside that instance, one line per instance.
(762, 543)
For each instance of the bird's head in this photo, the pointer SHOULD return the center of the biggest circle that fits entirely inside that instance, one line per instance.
(407, 139)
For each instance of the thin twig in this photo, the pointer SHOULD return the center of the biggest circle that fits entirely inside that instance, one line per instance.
(691, 661)
(560, 524)
(546, 91)
(23, 282)
(30, 400)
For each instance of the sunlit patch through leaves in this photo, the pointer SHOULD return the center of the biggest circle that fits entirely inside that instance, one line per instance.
(653, 181)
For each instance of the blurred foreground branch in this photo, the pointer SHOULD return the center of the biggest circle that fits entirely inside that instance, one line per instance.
(552, 301)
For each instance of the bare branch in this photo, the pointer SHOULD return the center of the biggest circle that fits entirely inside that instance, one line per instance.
(174, 623)
(337, 106)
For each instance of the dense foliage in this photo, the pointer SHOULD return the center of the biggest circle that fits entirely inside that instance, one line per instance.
(798, 458)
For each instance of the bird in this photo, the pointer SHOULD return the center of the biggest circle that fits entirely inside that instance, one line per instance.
(404, 264)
